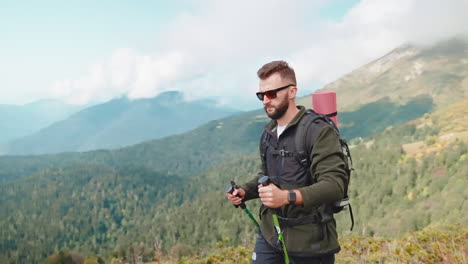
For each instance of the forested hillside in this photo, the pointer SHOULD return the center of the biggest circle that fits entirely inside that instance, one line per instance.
(360, 123)
(87, 207)
(219, 140)
(117, 210)
(186, 154)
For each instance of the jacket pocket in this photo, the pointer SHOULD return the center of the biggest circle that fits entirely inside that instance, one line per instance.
(267, 227)
(305, 238)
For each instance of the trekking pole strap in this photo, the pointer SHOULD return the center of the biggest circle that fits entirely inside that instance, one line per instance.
(352, 217)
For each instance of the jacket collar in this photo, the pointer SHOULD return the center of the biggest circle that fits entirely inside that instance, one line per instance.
(270, 127)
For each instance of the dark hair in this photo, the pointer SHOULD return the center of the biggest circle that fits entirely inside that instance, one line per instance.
(281, 67)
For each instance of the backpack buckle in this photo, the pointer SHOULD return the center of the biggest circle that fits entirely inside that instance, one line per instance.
(285, 153)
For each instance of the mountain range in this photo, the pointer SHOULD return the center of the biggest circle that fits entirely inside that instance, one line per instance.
(21, 120)
(120, 122)
(432, 76)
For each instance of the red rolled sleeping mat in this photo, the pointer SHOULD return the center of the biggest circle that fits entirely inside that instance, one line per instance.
(324, 102)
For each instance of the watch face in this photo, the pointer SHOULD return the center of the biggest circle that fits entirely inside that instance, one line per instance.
(291, 196)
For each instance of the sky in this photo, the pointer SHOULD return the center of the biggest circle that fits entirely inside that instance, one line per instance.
(84, 52)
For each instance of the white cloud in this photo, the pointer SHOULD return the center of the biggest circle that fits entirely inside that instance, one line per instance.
(126, 73)
(373, 28)
(155, 74)
(216, 50)
(84, 89)
(122, 67)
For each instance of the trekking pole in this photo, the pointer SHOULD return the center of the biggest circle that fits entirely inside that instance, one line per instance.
(265, 180)
(230, 189)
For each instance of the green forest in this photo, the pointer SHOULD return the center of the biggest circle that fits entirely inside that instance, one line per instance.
(164, 200)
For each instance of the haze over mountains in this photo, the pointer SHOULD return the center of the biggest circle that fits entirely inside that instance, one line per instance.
(21, 120)
(120, 122)
(408, 175)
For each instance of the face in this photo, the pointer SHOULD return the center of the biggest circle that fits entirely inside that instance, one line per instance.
(275, 108)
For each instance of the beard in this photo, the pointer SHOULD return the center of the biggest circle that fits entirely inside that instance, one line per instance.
(279, 110)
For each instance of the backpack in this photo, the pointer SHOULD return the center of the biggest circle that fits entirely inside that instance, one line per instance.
(303, 155)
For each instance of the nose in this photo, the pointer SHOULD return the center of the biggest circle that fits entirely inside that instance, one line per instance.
(266, 100)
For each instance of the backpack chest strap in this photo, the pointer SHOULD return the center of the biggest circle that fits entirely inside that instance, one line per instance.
(284, 153)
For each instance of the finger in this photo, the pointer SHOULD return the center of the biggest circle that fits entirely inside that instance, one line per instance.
(235, 192)
(235, 201)
(232, 198)
(265, 193)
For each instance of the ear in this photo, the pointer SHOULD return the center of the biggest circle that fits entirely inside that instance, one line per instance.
(292, 92)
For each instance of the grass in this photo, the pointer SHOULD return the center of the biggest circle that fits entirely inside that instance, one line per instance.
(431, 245)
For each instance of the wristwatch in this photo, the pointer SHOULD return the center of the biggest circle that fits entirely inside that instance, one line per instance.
(291, 197)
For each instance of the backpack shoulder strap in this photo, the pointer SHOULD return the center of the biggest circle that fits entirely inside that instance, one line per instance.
(301, 138)
(263, 144)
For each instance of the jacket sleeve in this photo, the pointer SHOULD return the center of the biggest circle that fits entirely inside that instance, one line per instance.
(327, 169)
(251, 187)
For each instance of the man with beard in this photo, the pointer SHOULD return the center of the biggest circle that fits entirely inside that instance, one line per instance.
(303, 185)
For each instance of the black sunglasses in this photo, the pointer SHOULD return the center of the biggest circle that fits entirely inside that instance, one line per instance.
(271, 94)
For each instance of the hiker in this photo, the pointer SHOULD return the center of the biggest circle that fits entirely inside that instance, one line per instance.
(302, 186)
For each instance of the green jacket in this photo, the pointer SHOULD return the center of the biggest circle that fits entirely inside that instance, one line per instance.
(308, 229)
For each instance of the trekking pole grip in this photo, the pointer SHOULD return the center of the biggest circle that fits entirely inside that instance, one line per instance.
(230, 189)
(264, 180)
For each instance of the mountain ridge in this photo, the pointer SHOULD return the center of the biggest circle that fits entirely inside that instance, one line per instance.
(439, 71)
(120, 122)
(17, 121)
